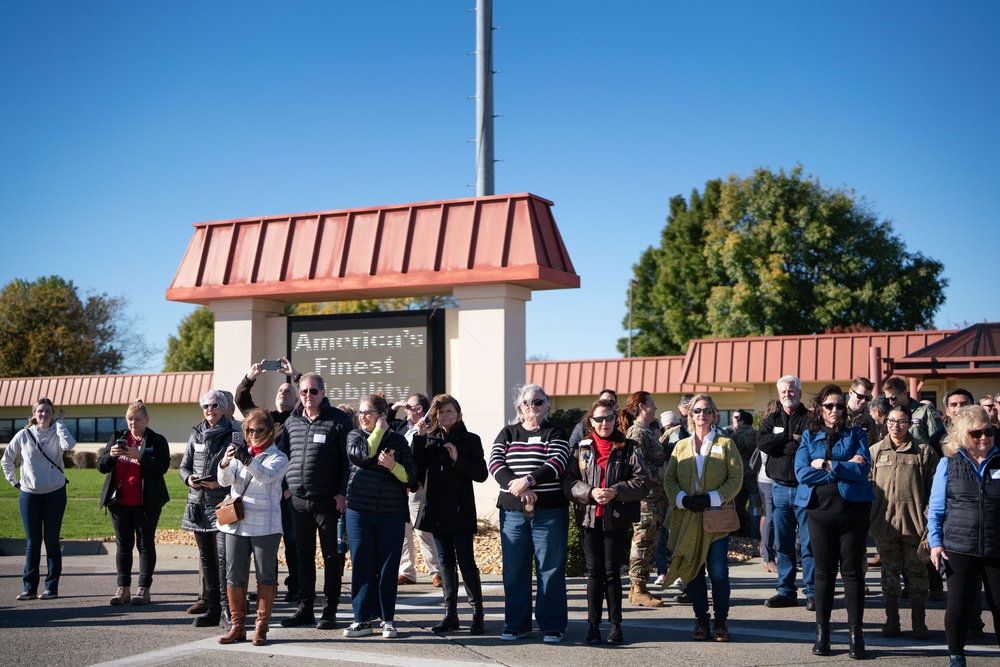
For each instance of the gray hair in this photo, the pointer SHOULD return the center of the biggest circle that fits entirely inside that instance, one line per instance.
(789, 379)
(522, 391)
(316, 378)
(215, 396)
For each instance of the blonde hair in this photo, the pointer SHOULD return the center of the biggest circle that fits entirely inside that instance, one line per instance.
(694, 402)
(39, 403)
(135, 407)
(967, 419)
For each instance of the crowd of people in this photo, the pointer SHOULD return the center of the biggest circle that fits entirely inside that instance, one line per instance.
(822, 479)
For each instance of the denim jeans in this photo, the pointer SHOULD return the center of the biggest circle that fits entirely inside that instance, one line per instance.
(787, 517)
(543, 537)
(42, 515)
(717, 565)
(458, 548)
(376, 541)
(767, 524)
(135, 525)
(265, 559)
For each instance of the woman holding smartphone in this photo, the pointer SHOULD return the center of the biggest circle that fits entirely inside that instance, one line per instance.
(205, 449)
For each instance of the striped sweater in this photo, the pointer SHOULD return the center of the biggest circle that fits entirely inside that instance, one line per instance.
(542, 453)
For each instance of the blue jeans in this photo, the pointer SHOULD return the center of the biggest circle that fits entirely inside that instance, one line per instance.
(767, 527)
(543, 537)
(376, 541)
(458, 548)
(42, 515)
(787, 517)
(717, 565)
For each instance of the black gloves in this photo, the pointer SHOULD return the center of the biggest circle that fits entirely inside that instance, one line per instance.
(242, 454)
(698, 503)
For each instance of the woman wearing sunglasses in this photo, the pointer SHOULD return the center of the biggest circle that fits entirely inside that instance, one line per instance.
(832, 465)
(527, 460)
(382, 468)
(705, 471)
(254, 472)
(606, 479)
(205, 449)
(963, 523)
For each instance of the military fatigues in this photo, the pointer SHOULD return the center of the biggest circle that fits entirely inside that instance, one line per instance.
(653, 507)
(925, 422)
(901, 478)
(863, 418)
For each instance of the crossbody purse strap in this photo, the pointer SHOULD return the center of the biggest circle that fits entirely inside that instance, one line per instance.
(39, 446)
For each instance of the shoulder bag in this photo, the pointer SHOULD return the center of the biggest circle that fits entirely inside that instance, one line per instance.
(721, 519)
(230, 510)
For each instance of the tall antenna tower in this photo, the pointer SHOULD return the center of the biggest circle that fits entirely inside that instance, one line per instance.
(484, 98)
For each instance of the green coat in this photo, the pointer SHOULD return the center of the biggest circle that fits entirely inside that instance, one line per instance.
(723, 473)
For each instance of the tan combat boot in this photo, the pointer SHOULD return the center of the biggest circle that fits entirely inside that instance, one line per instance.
(640, 596)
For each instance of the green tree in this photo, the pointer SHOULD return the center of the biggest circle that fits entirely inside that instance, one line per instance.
(776, 254)
(193, 348)
(46, 329)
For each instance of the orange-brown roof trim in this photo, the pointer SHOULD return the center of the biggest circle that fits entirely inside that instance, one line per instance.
(404, 250)
(67, 390)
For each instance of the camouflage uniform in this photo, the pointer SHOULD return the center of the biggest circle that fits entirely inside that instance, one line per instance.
(745, 440)
(647, 531)
(863, 418)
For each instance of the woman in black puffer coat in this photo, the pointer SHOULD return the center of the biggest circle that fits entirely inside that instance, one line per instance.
(205, 449)
(449, 459)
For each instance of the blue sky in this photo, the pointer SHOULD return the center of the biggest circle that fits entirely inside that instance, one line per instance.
(122, 123)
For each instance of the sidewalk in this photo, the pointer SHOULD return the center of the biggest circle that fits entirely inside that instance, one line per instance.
(80, 628)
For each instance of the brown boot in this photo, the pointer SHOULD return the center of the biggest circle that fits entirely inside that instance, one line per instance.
(265, 602)
(237, 616)
(640, 596)
(918, 612)
(891, 627)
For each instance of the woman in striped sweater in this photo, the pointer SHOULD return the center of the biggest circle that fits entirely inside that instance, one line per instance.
(528, 459)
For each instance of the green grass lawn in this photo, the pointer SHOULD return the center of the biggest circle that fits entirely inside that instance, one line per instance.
(84, 519)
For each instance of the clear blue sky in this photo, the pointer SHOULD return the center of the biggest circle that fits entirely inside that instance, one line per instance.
(122, 123)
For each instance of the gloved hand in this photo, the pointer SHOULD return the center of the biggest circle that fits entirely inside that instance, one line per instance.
(242, 454)
(697, 503)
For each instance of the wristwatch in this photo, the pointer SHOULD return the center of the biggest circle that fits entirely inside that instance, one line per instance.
(297, 378)
(530, 480)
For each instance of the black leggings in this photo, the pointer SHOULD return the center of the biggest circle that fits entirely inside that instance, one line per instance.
(963, 595)
(132, 522)
(603, 552)
(212, 552)
(840, 538)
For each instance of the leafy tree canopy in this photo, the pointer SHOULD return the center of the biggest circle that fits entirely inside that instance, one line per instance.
(777, 254)
(193, 348)
(46, 329)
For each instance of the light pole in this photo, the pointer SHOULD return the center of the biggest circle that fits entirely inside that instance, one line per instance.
(631, 284)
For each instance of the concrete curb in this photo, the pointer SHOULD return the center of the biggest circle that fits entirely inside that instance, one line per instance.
(16, 547)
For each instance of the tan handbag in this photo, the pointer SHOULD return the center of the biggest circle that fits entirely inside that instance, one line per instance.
(230, 510)
(720, 519)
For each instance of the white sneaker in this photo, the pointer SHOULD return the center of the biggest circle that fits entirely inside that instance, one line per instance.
(552, 637)
(388, 630)
(660, 580)
(509, 636)
(358, 629)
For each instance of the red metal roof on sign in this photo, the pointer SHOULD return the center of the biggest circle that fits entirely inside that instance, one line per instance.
(406, 250)
(66, 390)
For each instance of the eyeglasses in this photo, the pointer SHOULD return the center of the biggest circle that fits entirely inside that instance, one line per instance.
(368, 413)
(897, 422)
(862, 397)
(309, 391)
(409, 407)
(209, 406)
(601, 420)
(537, 403)
(706, 411)
(835, 406)
(980, 432)
(895, 399)
(257, 431)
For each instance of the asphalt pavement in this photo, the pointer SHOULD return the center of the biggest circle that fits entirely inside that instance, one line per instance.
(81, 628)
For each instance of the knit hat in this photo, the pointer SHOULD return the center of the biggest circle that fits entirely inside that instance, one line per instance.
(669, 418)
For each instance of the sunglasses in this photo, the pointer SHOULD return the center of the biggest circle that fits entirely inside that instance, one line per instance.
(980, 432)
(862, 397)
(601, 420)
(209, 406)
(706, 411)
(257, 431)
(835, 406)
(311, 391)
(537, 403)
(410, 408)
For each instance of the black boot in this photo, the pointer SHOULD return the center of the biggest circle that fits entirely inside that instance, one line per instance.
(474, 589)
(822, 645)
(449, 585)
(210, 618)
(857, 646)
(302, 616)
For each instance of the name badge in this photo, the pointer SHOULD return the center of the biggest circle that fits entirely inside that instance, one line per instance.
(534, 439)
(995, 474)
(716, 449)
(778, 429)
(319, 437)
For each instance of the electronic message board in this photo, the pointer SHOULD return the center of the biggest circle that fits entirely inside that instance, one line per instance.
(395, 353)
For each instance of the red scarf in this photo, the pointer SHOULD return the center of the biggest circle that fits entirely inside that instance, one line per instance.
(257, 452)
(603, 448)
